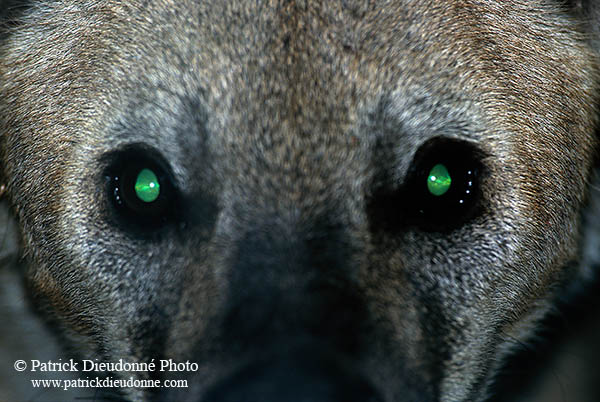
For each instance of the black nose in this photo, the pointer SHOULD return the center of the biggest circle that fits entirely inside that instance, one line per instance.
(300, 379)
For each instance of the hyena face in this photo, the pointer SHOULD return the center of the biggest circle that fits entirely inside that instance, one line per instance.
(313, 201)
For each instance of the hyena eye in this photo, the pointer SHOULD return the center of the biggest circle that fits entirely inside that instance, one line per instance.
(141, 189)
(439, 180)
(444, 184)
(147, 186)
(439, 193)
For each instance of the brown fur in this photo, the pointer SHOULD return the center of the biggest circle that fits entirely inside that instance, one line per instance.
(286, 120)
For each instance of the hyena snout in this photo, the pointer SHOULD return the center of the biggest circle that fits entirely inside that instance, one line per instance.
(295, 316)
(299, 377)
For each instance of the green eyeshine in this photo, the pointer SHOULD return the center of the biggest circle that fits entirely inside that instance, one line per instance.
(147, 187)
(439, 180)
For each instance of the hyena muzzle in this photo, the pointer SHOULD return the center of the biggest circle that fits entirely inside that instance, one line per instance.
(309, 200)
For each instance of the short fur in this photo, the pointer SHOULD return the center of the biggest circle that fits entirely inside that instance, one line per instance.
(285, 125)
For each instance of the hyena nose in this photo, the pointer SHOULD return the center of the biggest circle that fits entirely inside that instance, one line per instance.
(295, 315)
(298, 379)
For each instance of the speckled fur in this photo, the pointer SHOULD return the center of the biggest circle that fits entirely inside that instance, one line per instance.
(284, 112)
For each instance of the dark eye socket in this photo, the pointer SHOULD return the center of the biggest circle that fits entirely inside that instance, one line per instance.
(441, 190)
(140, 189)
(444, 183)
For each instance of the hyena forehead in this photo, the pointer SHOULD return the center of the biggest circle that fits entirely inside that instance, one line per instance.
(271, 72)
(303, 54)
(323, 69)
(312, 62)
